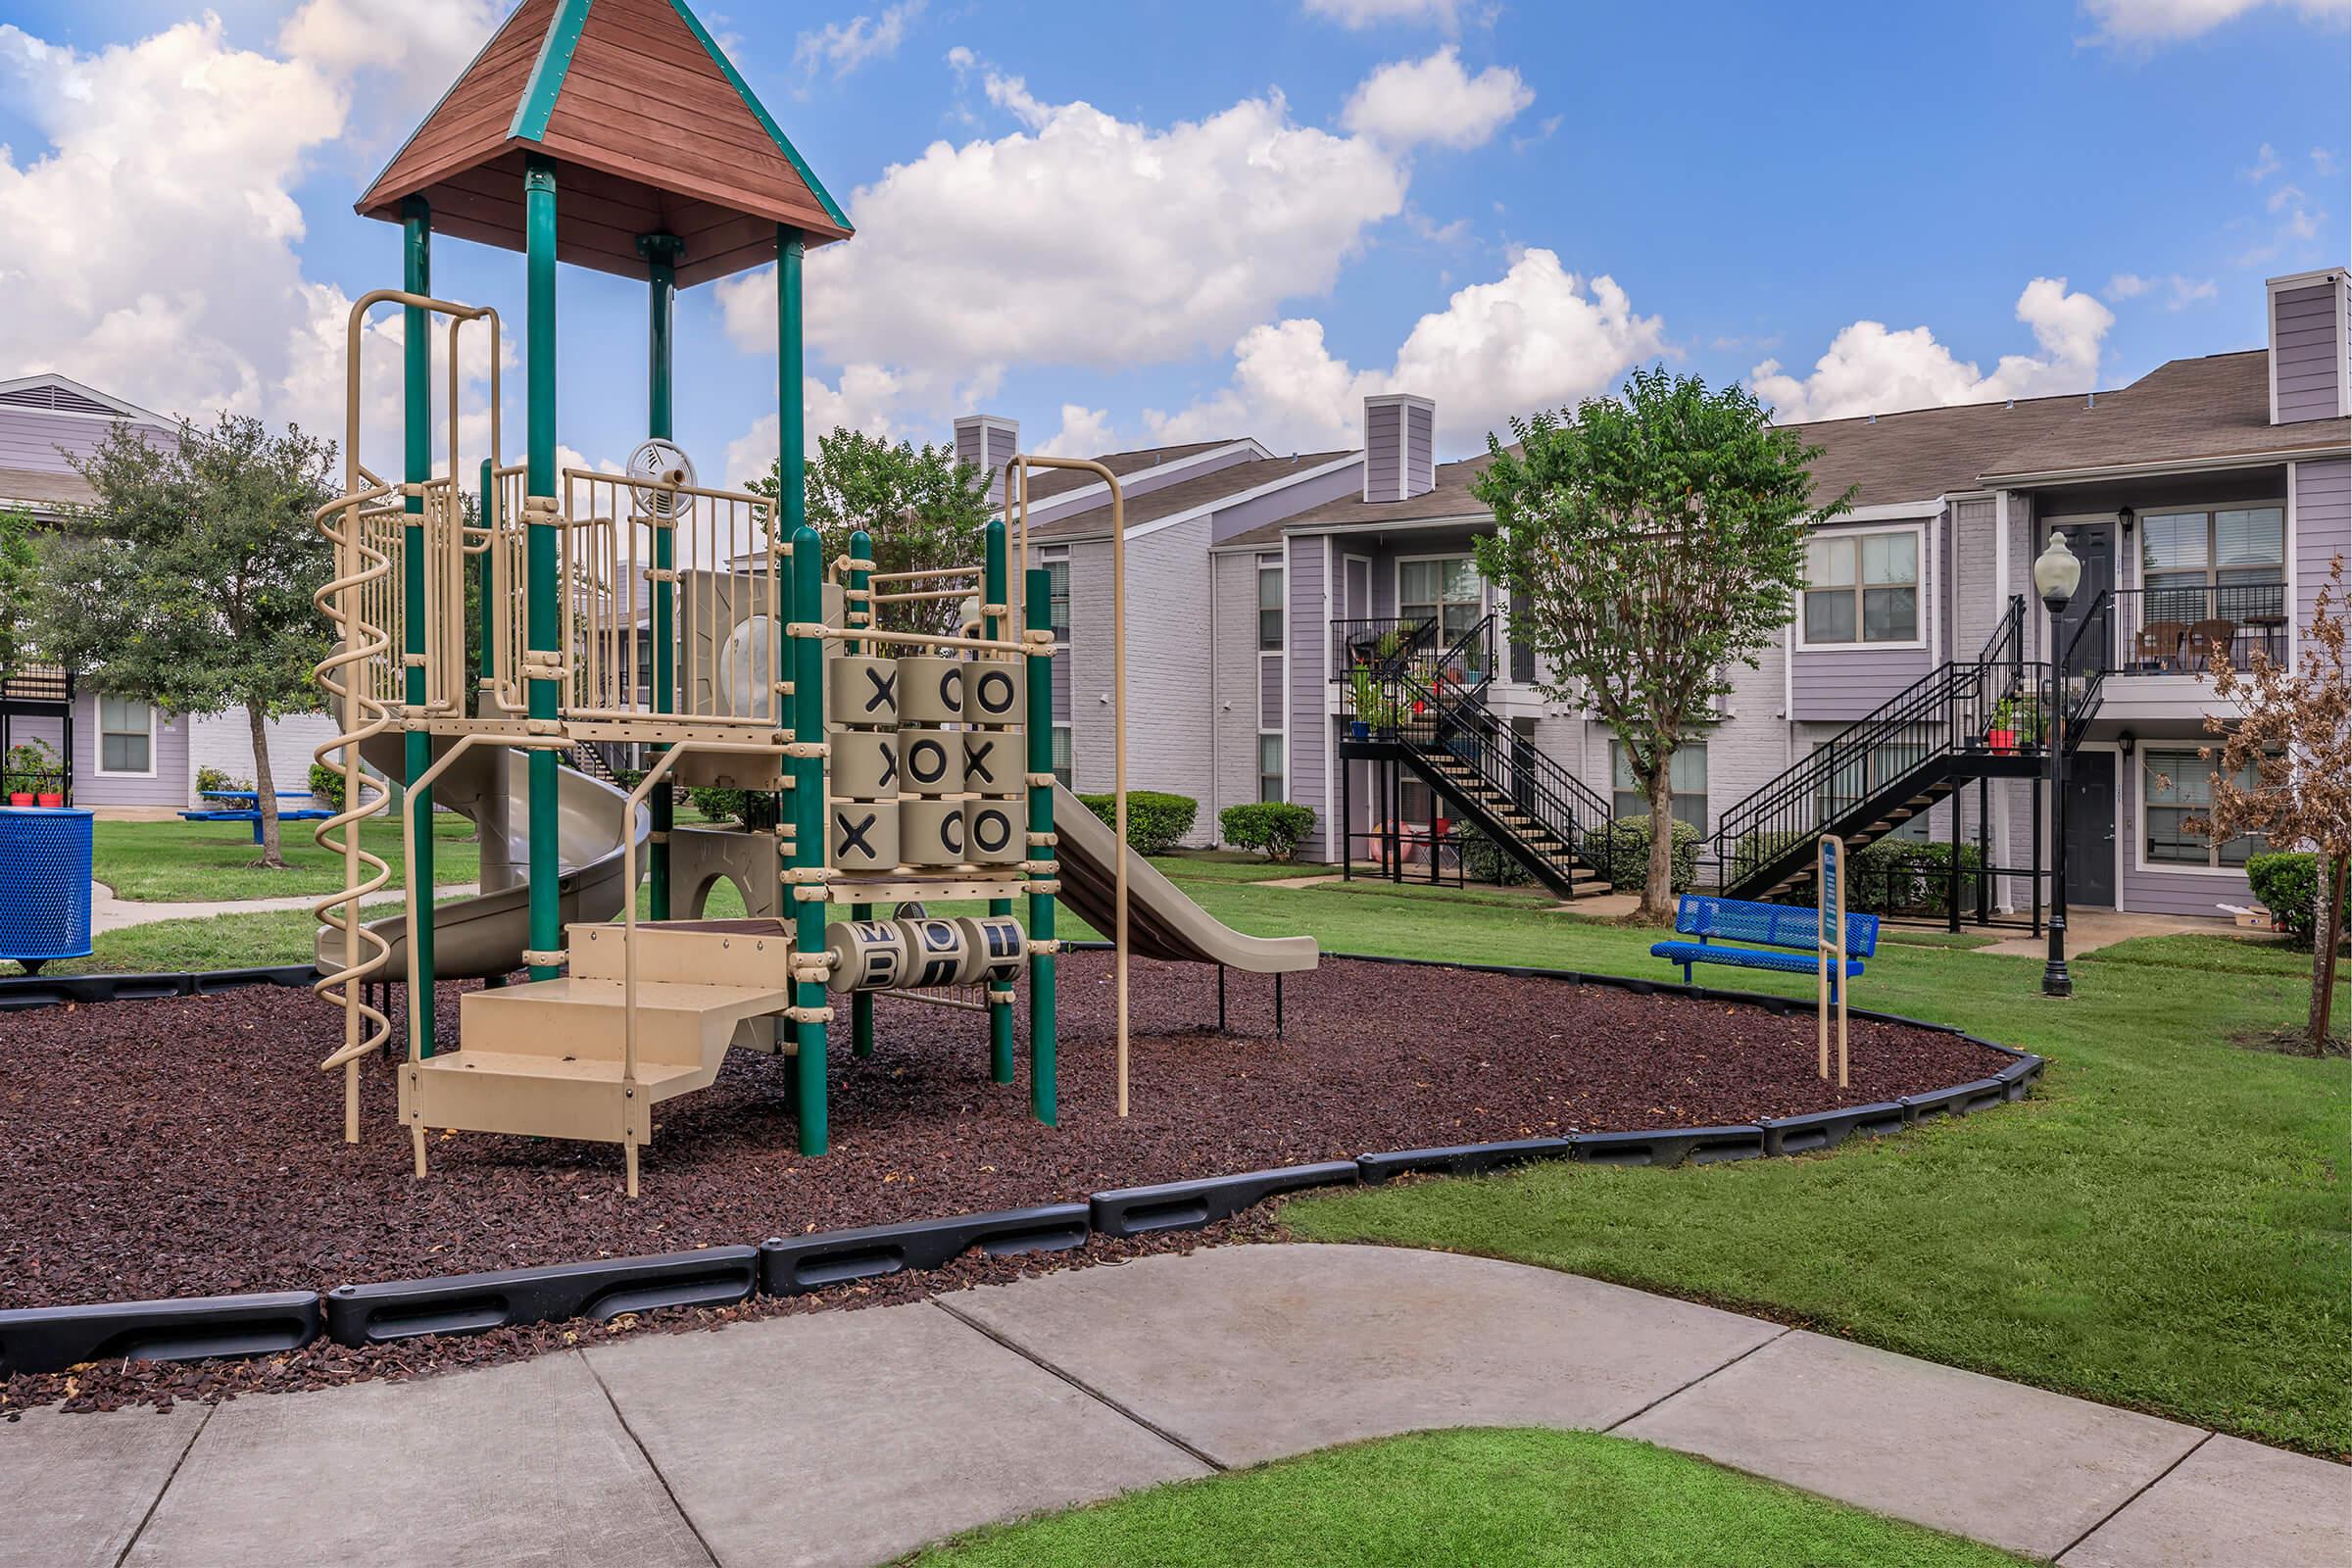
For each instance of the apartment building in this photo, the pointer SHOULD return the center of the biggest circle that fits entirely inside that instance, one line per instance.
(2205, 499)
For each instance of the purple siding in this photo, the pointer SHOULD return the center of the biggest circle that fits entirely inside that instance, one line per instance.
(41, 440)
(2150, 892)
(169, 786)
(2306, 358)
(1310, 722)
(2323, 529)
(1384, 451)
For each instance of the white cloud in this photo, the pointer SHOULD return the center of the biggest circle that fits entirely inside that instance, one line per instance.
(173, 161)
(412, 50)
(1084, 432)
(2153, 22)
(1871, 369)
(2265, 164)
(1537, 337)
(867, 397)
(1410, 102)
(1359, 14)
(2179, 292)
(1081, 238)
(844, 46)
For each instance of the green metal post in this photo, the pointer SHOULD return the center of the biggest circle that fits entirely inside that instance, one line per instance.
(661, 253)
(862, 581)
(992, 592)
(416, 417)
(543, 619)
(807, 676)
(1036, 590)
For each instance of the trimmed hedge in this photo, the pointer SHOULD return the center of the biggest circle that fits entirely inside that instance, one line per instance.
(1274, 828)
(1485, 860)
(1156, 820)
(1909, 876)
(1628, 855)
(327, 784)
(2287, 882)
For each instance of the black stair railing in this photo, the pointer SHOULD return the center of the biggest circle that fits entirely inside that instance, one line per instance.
(1992, 703)
(1375, 645)
(1434, 703)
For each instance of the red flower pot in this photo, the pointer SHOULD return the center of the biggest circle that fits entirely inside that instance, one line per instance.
(52, 799)
(2003, 741)
(19, 798)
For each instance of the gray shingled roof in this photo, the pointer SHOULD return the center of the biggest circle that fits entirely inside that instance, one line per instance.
(1047, 482)
(1451, 498)
(1182, 496)
(2216, 406)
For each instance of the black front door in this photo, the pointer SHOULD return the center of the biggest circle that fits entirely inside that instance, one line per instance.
(2093, 544)
(2090, 828)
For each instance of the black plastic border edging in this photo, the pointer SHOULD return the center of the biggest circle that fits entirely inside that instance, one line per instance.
(50, 1339)
(23, 991)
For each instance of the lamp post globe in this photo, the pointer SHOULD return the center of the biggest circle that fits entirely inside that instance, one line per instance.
(2057, 574)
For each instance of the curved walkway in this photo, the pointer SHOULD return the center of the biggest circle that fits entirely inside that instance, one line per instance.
(848, 1438)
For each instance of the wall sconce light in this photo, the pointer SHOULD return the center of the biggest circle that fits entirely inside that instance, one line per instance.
(2126, 740)
(2126, 516)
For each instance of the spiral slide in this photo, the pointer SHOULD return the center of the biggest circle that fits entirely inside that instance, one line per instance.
(1163, 921)
(485, 935)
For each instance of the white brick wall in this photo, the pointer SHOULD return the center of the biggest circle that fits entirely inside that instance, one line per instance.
(224, 741)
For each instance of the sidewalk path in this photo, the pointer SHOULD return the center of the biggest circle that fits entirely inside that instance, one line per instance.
(848, 1438)
(110, 913)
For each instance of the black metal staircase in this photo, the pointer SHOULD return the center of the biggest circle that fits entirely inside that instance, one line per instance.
(1992, 717)
(1421, 703)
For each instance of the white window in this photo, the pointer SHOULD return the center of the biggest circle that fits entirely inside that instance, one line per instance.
(1686, 778)
(1061, 754)
(2175, 787)
(1058, 598)
(1444, 589)
(1862, 588)
(2229, 564)
(125, 736)
(1270, 782)
(1269, 603)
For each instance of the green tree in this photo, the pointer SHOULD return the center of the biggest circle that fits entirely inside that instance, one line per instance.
(18, 560)
(924, 509)
(187, 582)
(1652, 541)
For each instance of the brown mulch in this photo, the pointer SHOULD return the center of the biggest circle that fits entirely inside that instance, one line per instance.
(191, 1146)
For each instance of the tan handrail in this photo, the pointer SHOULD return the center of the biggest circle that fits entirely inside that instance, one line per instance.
(1119, 704)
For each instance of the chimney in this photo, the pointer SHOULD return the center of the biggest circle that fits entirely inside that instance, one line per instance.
(987, 441)
(1401, 440)
(2310, 359)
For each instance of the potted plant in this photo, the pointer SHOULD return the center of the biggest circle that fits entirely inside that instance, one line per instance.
(1364, 703)
(28, 766)
(2015, 714)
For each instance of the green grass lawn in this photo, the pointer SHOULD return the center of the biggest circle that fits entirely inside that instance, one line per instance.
(179, 863)
(2164, 1226)
(1558, 1500)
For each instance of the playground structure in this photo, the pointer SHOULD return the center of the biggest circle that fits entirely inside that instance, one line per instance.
(885, 767)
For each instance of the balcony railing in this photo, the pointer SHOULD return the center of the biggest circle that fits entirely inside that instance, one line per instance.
(37, 683)
(2188, 630)
(1382, 645)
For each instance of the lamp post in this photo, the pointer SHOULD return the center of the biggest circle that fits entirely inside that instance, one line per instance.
(2056, 575)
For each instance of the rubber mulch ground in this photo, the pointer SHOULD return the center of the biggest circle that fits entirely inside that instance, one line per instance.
(192, 1146)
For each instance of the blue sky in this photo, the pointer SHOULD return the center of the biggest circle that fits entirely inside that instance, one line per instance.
(1162, 221)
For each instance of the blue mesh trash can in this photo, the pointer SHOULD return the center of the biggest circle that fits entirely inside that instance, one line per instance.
(44, 883)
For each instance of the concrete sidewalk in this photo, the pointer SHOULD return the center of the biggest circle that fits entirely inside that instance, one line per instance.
(110, 913)
(848, 1438)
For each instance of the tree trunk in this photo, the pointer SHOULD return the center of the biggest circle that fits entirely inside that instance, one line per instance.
(263, 786)
(2327, 938)
(1657, 886)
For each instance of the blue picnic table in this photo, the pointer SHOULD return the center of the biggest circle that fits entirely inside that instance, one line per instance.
(253, 812)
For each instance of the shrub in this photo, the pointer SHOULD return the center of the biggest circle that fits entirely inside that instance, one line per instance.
(2287, 882)
(1155, 820)
(210, 780)
(30, 766)
(1485, 860)
(1627, 852)
(1909, 876)
(1272, 827)
(723, 806)
(326, 783)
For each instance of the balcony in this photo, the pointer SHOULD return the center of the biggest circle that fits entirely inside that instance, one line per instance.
(2196, 629)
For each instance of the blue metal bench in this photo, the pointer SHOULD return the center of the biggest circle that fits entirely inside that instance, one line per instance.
(1784, 937)
(253, 815)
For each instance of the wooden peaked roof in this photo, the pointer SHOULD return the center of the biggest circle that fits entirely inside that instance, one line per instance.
(650, 125)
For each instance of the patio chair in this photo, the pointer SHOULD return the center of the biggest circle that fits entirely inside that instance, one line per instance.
(2157, 645)
(2207, 645)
